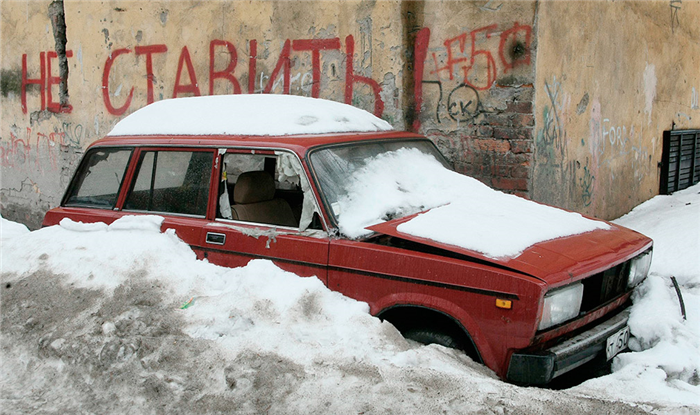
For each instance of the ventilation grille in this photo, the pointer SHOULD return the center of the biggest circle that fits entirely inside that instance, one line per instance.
(680, 163)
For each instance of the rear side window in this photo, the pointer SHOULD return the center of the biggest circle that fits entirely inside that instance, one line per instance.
(172, 182)
(99, 178)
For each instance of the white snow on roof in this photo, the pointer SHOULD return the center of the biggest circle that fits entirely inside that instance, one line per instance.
(258, 114)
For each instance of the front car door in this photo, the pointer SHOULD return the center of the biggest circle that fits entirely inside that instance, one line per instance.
(265, 209)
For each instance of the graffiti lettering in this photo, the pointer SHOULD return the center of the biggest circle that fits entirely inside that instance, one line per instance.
(420, 51)
(675, 21)
(351, 78)
(553, 131)
(513, 50)
(31, 151)
(230, 67)
(188, 83)
(463, 103)
(617, 136)
(316, 46)
(193, 87)
(45, 82)
(105, 84)
(150, 77)
(516, 40)
(586, 184)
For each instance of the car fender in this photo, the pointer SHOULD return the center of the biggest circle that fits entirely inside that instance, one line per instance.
(451, 310)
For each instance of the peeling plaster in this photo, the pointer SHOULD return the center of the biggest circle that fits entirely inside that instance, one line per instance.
(649, 89)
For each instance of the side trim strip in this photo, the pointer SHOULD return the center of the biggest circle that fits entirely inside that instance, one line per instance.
(491, 293)
(271, 258)
(430, 283)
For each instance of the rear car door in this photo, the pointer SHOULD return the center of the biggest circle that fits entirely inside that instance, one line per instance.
(174, 183)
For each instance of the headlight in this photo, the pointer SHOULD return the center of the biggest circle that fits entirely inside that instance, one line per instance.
(561, 305)
(639, 268)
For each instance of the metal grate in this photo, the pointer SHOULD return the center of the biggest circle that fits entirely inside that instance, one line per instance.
(680, 163)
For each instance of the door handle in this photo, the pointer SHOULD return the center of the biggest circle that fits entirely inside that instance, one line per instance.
(216, 238)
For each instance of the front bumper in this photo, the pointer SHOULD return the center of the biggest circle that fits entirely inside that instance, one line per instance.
(541, 367)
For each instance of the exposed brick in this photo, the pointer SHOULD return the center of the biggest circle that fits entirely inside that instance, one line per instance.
(485, 131)
(500, 170)
(520, 172)
(500, 146)
(506, 183)
(505, 133)
(523, 120)
(521, 146)
(523, 107)
(498, 119)
(523, 194)
(512, 93)
(512, 133)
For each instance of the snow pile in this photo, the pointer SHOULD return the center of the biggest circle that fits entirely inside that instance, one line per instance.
(94, 310)
(110, 319)
(675, 231)
(9, 229)
(255, 114)
(464, 212)
(666, 365)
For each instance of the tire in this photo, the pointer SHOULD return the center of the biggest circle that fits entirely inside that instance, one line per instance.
(428, 336)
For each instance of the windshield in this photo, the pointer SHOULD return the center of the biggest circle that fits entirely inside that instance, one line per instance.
(342, 177)
(365, 184)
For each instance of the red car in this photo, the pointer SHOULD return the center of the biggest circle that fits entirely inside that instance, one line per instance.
(530, 316)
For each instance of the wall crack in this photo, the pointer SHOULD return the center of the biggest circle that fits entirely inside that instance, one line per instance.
(58, 21)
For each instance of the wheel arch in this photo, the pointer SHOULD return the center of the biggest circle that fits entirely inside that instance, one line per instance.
(406, 314)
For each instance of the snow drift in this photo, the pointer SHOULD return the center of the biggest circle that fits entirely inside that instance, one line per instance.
(110, 319)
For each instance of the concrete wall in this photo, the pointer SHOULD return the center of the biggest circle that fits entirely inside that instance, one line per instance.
(478, 77)
(611, 77)
(122, 55)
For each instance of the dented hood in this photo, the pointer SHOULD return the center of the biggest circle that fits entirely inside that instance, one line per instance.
(555, 261)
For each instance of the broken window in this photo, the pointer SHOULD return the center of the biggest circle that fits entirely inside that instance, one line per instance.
(266, 188)
(99, 178)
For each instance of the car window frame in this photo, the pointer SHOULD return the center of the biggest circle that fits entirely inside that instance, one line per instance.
(81, 168)
(270, 152)
(136, 161)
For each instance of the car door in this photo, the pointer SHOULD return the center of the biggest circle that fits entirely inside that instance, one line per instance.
(174, 183)
(253, 220)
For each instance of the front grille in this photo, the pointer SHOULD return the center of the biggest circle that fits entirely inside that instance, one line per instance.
(604, 286)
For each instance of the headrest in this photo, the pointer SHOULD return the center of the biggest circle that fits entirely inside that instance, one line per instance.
(254, 187)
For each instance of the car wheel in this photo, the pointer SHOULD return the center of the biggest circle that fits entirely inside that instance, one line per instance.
(428, 336)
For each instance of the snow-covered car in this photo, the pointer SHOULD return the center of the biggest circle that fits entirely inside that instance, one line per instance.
(327, 190)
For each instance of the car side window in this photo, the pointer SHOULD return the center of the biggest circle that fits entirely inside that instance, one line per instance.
(171, 182)
(99, 178)
(265, 188)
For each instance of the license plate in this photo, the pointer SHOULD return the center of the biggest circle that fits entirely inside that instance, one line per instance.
(617, 342)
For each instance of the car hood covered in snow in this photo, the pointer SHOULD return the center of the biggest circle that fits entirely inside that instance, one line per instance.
(556, 261)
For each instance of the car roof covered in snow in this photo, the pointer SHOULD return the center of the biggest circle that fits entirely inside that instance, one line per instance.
(249, 115)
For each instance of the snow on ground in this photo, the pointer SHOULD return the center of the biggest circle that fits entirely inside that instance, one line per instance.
(666, 363)
(248, 114)
(463, 211)
(110, 319)
(9, 229)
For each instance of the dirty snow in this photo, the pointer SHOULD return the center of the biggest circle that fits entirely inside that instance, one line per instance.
(464, 212)
(254, 114)
(123, 318)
